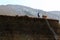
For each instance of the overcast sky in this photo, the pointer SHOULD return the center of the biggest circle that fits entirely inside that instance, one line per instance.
(46, 5)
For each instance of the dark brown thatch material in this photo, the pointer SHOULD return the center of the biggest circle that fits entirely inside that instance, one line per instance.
(35, 28)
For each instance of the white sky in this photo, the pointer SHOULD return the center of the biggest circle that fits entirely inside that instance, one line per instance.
(46, 5)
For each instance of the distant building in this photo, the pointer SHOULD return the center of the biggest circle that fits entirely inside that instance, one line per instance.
(44, 16)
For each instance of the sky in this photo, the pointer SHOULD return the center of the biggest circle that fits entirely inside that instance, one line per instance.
(46, 5)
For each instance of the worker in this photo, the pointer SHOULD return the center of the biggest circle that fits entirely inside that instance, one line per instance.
(38, 15)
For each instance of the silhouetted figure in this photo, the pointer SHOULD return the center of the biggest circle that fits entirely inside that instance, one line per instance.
(38, 15)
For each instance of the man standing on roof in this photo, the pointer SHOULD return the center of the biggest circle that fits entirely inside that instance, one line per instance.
(38, 15)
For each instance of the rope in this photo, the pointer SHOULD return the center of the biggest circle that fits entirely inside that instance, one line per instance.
(55, 35)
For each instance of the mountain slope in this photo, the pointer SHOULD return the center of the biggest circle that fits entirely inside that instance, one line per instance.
(55, 14)
(13, 10)
(20, 10)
